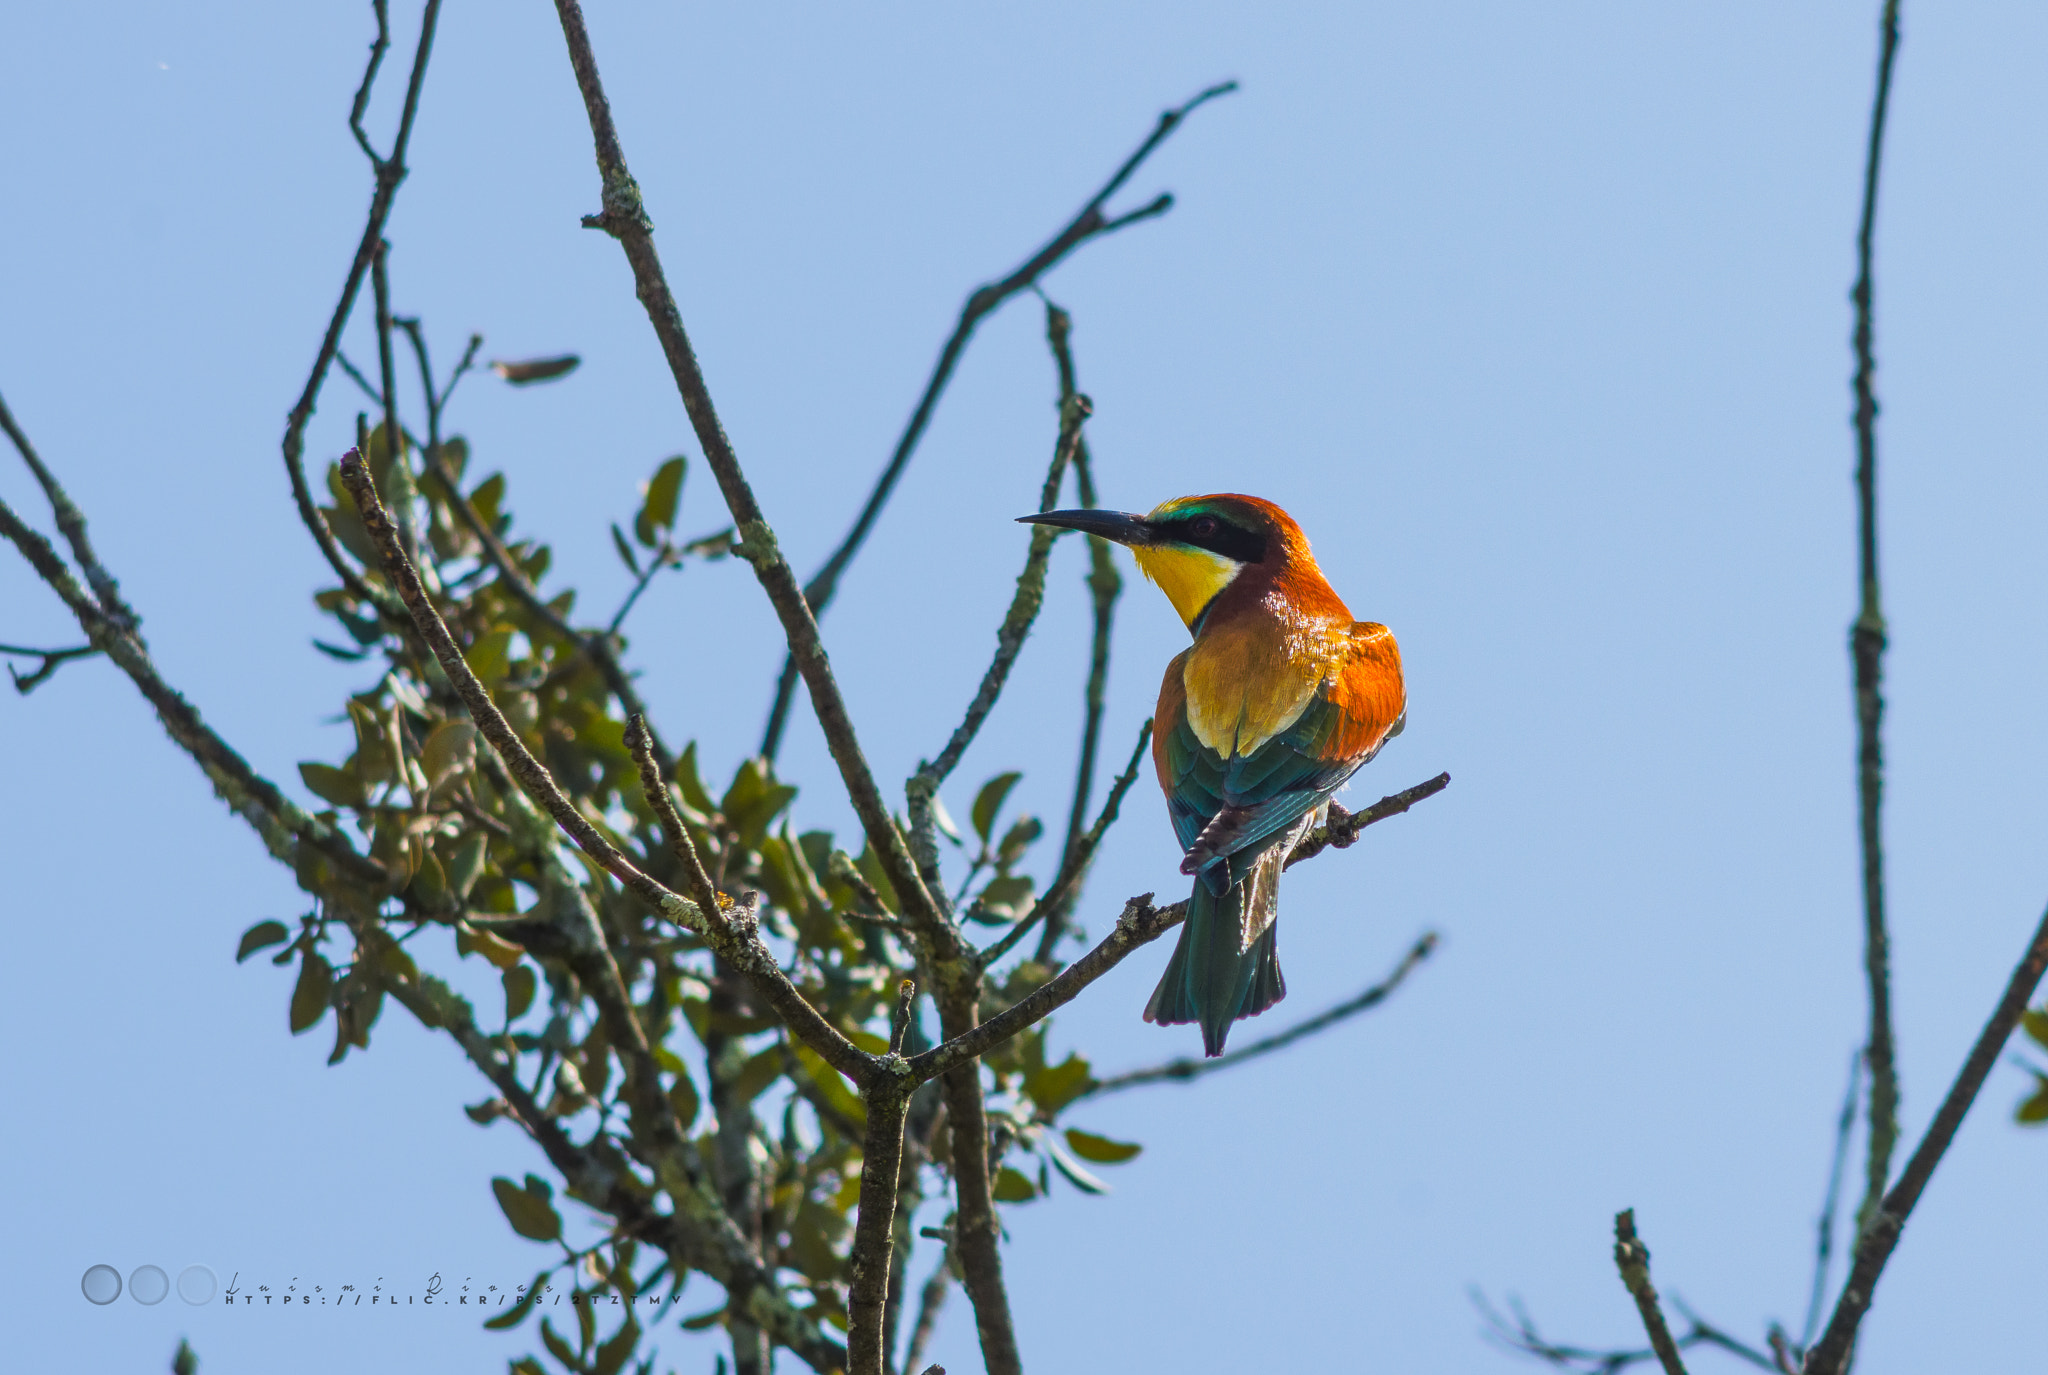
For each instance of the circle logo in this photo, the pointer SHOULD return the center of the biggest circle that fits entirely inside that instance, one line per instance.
(102, 1284)
(197, 1284)
(148, 1284)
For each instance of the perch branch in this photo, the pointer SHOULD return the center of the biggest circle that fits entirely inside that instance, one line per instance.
(1632, 1258)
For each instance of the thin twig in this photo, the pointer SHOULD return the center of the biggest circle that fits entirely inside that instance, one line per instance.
(70, 521)
(1066, 885)
(737, 942)
(282, 824)
(697, 1234)
(923, 786)
(1867, 640)
(1830, 1355)
(1824, 1242)
(1104, 585)
(389, 172)
(624, 217)
(929, 1302)
(1343, 828)
(53, 659)
(1183, 1070)
(1089, 223)
(1632, 1259)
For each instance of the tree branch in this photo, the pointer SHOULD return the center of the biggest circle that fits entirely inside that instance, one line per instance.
(1104, 585)
(71, 522)
(53, 659)
(280, 823)
(625, 219)
(1830, 1356)
(1017, 622)
(698, 1234)
(1342, 829)
(1089, 223)
(1824, 1241)
(1867, 639)
(1182, 1070)
(1632, 1258)
(1059, 897)
(389, 172)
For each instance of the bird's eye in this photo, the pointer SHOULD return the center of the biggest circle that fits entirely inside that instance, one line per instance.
(1204, 527)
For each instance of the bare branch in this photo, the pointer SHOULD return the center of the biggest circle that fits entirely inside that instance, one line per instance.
(625, 219)
(1017, 622)
(71, 521)
(1632, 1258)
(1183, 1070)
(281, 824)
(1104, 585)
(1824, 1241)
(1867, 639)
(1060, 896)
(1139, 924)
(1089, 223)
(1830, 1355)
(929, 1302)
(874, 1231)
(389, 172)
(52, 660)
(1342, 829)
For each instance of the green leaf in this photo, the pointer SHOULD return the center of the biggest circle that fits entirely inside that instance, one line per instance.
(430, 884)
(691, 783)
(184, 1361)
(329, 784)
(1019, 838)
(454, 453)
(682, 1096)
(658, 511)
(2035, 1020)
(1004, 899)
(1072, 1170)
(625, 550)
(516, 1310)
(1054, 1086)
(468, 864)
(486, 499)
(526, 372)
(1101, 1149)
(612, 1354)
(560, 1349)
(989, 802)
(449, 750)
(758, 1073)
(530, 1210)
(520, 983)
(2035, 1109)
(258, 936)
(490, 655)
(310, 995)
(1013, 1187)
(754, 800)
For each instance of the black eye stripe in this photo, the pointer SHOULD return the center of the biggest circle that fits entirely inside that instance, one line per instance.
(1218, 536)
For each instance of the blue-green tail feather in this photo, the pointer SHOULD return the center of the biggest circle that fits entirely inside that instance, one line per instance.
(1210, 979)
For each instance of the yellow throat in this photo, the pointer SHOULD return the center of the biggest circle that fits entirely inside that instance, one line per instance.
(1189, 577)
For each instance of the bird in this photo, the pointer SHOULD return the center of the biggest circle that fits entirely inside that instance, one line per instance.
(1281, 697)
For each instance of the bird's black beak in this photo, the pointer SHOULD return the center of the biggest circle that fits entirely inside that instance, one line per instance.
(1120, 526)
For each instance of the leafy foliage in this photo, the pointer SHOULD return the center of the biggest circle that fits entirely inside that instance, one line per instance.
(466, 854)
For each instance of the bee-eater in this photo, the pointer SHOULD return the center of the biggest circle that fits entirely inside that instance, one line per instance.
(1279, 700)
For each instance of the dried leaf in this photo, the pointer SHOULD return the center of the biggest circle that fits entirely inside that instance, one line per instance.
(531, 370)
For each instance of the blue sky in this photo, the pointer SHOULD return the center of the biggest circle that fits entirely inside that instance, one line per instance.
(1536, 318)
